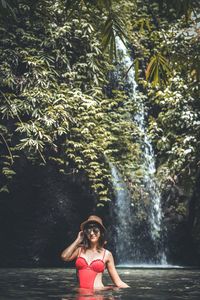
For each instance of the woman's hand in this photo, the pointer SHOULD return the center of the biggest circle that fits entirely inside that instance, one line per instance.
(71, 252)
(80, 236)
(123, 285)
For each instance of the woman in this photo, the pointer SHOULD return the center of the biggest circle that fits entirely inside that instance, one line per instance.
(91, 257)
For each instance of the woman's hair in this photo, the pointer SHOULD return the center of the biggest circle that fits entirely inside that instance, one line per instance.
(101, 241)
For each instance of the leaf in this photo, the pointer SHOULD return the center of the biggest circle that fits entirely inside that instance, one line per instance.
(158, 69)
(4, 189)
(136, 67)
(112, 28)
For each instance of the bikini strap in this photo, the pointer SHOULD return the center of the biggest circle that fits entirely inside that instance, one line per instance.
(104, 254)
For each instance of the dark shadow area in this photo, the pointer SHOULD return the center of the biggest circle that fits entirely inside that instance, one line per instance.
(41, 216)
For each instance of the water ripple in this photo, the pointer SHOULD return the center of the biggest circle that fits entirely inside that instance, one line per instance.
(60, 284)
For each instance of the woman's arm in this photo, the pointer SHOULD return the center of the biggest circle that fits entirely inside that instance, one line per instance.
(113, 272)
(71, 252)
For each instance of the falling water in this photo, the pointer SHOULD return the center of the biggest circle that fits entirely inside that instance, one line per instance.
(123, 218)
(123, 204)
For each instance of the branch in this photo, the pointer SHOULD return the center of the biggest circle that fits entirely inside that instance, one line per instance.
(8, 148)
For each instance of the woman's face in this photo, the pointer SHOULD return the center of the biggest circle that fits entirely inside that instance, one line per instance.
(92, 232)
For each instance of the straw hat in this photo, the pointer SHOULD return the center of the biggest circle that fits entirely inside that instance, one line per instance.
(92, 219)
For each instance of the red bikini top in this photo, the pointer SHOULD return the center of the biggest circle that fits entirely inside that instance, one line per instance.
(97, 265)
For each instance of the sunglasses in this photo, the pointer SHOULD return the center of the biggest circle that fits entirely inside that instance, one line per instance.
(91, 228)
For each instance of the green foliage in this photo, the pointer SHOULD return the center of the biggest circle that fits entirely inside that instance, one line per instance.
(176, 9)
(158, 69)
(166, 46)
(6, 8)
(176, 129)
(52, 108)
(113, 27)
(54, 87)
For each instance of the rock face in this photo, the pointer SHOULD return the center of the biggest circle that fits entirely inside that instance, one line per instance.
(194, 219)
(41, 216)
(181, 208)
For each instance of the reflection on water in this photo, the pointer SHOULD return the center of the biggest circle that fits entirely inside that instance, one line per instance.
(60, 284)
(84, 294)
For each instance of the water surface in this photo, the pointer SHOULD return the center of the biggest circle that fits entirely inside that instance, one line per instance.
(60, 284)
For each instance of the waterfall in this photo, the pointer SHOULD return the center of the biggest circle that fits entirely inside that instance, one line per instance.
(130, 241)
(122, 211)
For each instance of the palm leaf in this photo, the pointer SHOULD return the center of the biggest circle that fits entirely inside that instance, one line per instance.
(136, 65)
(158, 69)
(113, 27)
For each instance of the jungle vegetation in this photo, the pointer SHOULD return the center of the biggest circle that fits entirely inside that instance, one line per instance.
(60, 105)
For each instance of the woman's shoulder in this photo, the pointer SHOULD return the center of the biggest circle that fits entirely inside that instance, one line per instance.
(107, 253)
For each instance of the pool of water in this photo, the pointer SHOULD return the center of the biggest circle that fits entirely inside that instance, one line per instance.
(150, 284)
